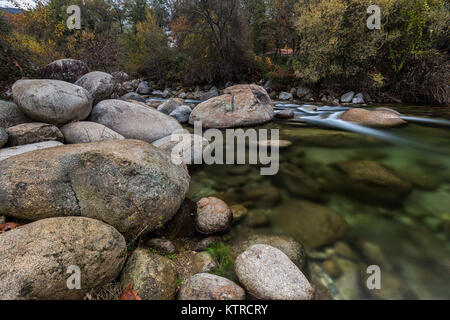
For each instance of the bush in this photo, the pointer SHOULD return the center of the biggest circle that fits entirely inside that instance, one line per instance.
(337, 48)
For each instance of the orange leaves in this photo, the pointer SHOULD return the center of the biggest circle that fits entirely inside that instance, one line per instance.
(129, 294)
(8, 226)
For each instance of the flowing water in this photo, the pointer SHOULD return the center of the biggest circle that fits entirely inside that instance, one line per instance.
(398, 219)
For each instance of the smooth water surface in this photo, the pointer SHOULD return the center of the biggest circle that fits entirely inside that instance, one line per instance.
(398, 218)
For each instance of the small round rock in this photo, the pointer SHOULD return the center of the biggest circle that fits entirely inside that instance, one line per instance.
(205, 286)
(213, 216)
(268, 274)
(161, 245)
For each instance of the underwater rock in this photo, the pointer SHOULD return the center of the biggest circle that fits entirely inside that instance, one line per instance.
(249, 237)
(299, 183)
(328, 138)
(310, 223)
(332, 268)
(370, 181)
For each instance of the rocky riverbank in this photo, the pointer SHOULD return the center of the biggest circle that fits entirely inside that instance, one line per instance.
(88, 184)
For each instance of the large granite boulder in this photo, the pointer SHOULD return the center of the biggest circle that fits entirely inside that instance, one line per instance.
(310, 223)
(99, 84)
(128, 184)
(52, 101)
(86, 131)
(40, 258)
(69, 70)
(241, 105)
(11, 115)
(134, 121)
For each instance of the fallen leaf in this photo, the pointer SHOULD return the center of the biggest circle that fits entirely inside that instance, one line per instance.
(129, 294)
(8, 226)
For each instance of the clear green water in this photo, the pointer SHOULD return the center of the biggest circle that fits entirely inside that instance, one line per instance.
(407, 238)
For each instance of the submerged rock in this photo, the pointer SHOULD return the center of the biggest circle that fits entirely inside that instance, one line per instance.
(204, 286)
(153, 276)
(185, 147)
(374, 118)
(328, 138)
(128, 184)
(285, 114)
(299, 183)
(38, 258)
(268, 274)
(310, 223)
(371, 181)
(99, 84)
(52, 101)
(213, 216)
(134, 121)
(86, 131)
(69, 70)
(247, 238)
(28, 133)
(14, 151)
(241, 105)
(11, 115)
